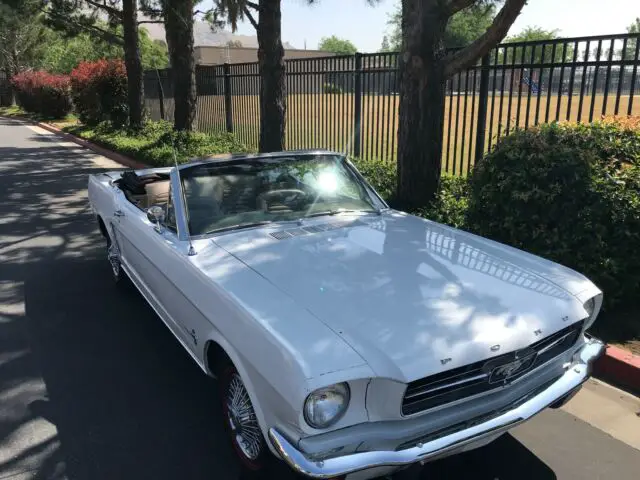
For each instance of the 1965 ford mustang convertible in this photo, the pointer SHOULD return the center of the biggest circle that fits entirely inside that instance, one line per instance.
(348, 339)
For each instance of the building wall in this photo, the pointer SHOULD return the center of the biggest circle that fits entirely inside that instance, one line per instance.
(219, 55)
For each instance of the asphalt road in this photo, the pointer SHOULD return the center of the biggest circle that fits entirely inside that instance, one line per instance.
(93, 386)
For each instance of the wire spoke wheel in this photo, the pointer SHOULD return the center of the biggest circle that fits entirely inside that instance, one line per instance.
(245, 431)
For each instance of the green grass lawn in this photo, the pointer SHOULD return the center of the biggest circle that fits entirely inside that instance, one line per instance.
(156, 142)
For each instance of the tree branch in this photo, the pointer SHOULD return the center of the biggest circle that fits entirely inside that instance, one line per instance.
(151, 11)
(250, 17)
(455, 6)
(255, 6)
(150, 21)
(454, 62)
(103, 6)
(106, 35)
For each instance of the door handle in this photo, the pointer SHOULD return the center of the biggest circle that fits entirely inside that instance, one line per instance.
(118, 213)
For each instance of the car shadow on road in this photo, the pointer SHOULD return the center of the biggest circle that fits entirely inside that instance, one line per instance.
(127, 401)
(504, 459)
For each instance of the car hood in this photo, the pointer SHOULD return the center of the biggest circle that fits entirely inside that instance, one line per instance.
(410, 295)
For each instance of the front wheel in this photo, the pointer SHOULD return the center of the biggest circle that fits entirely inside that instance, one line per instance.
(241, 423)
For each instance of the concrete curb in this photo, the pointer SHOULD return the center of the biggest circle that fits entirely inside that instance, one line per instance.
(620, 367)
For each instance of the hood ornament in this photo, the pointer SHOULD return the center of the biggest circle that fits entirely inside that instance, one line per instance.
(495, 348)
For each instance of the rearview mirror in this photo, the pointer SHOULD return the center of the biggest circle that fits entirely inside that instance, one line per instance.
(155, 214)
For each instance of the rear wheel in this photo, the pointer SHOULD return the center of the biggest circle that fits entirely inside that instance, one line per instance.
(113, 256)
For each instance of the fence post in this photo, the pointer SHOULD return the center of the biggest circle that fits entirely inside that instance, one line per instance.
(357, 106)
(160, 97)
(227, 98)
(483, 100)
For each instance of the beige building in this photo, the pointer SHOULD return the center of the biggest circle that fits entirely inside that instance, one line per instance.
(217, 55)
(216, 48)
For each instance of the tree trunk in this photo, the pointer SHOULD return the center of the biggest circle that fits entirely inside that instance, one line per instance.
(135, 87)
(179, 27)
(421, 103)
(11, 94)
(273, 99)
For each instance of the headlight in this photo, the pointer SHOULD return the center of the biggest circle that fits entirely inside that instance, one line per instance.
(325, 406)
(592, 307)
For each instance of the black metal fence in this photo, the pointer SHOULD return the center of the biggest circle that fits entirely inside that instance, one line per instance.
(350, 103)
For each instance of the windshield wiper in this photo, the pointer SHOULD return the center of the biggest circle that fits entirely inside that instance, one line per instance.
(341, 210)
(240, 226)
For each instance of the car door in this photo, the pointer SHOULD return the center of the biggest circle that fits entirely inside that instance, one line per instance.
(154, 257)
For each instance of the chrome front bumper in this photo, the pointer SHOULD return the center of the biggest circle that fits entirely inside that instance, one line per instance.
(576, 373)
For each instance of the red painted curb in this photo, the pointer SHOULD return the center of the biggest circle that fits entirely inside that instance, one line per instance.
(620, 367)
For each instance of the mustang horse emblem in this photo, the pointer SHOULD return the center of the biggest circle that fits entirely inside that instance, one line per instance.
(508, 370)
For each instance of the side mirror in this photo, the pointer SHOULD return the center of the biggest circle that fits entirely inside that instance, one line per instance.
(155, 214)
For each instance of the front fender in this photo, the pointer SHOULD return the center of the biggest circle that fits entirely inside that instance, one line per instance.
(262, 395)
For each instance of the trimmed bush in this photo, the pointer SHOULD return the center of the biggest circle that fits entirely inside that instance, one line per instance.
(43, 93)
(614, 140)
(568, 193)
(381, 176)
(450, 204)
(99, 92)
(153, 144)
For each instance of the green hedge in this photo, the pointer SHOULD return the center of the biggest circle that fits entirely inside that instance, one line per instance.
(449, 206)
(381, 176)
(568, 193)
(153, 144)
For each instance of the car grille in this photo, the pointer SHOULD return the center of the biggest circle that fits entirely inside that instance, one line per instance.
(451, 429)
(486, 375)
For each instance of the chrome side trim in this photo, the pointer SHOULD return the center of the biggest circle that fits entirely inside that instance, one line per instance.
(577, 372)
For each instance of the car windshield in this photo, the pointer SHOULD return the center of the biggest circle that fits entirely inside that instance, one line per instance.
(252, 192)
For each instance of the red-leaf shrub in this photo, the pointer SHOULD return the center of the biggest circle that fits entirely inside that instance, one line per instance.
(99, 91)
(43, 93)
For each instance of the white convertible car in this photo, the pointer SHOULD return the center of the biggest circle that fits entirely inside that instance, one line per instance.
(348, 339)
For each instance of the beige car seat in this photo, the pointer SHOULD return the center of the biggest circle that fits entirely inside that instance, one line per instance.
(157, 193)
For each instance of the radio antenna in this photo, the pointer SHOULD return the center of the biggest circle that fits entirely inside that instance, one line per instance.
(192, 251)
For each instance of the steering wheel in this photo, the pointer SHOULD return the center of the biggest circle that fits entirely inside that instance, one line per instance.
(288, 196)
